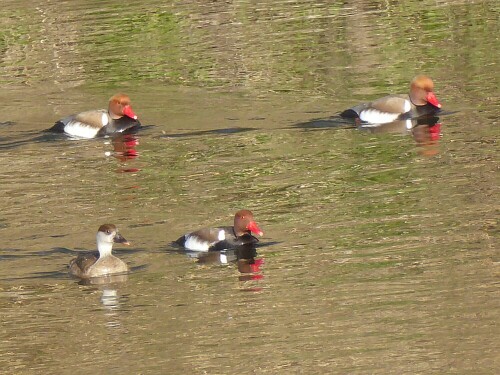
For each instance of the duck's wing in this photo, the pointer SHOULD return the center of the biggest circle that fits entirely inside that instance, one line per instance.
(80, 265)
(95, 119)
(392, 104)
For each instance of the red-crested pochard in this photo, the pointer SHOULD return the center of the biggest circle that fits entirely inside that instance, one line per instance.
(219, 238)
(100, 262)
(118, 118)
(420, 101)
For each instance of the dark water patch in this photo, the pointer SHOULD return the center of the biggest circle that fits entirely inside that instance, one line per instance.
(333, 122)
(141, 225)
(45, 275)
(19, 139)
(49, 138)
(12, 254)
(225, 131)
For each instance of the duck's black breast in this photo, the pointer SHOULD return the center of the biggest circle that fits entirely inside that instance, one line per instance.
(232, 241)
(424, 110)
(124, 125)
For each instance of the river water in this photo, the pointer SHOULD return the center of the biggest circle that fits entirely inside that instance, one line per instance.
(380, 253)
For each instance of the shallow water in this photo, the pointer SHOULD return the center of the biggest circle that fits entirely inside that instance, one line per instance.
(380, 252)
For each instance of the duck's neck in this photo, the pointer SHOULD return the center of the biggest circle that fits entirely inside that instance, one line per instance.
(416, 97)
(104, 249)
(239, 233)
(113, 115)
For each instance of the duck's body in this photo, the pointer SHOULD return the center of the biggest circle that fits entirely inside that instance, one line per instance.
(118, 118)
(420, 101)
(91, 265)
(101, 262)
(219, 238)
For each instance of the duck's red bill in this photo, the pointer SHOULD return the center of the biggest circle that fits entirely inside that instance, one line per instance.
(127, 111)
(431, 98)
(254, 228)
(435, 132)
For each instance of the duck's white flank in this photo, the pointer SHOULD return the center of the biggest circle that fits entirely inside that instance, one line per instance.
(194, 243)
(374, 116)
(79, 129)
(104, 119)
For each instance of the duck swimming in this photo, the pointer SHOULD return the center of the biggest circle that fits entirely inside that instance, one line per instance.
(420, 101)
(219, 238)
(100, 262)
(118, 118)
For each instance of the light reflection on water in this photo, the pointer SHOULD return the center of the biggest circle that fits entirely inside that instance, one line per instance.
(380, 248)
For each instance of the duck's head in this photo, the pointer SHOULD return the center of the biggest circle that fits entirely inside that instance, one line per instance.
(107, 235)
(119, 106)
(244, 223)
(422, 91)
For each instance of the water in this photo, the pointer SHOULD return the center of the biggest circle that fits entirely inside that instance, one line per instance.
(380, 248)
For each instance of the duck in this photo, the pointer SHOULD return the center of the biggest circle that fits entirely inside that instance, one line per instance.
(100, 262)
(420, 101)
(226, 237)
(118, 118)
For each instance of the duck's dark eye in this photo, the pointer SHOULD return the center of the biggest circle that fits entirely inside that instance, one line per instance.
(108, 231)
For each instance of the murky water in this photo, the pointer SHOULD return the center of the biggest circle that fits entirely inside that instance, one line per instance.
(380, 252)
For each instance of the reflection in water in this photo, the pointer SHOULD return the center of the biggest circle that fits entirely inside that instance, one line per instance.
(426, 131)
(124, 147)
(110, 298)
(245, 258)
(427, 136)
(111, 303)
(250, 269)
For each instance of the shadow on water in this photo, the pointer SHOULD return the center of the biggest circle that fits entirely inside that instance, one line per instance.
(332, 122)
(28, 138)
(225, 131)
(45, 136)
(56, 252)
(9, 254)
(48, 137)
(49, 275)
